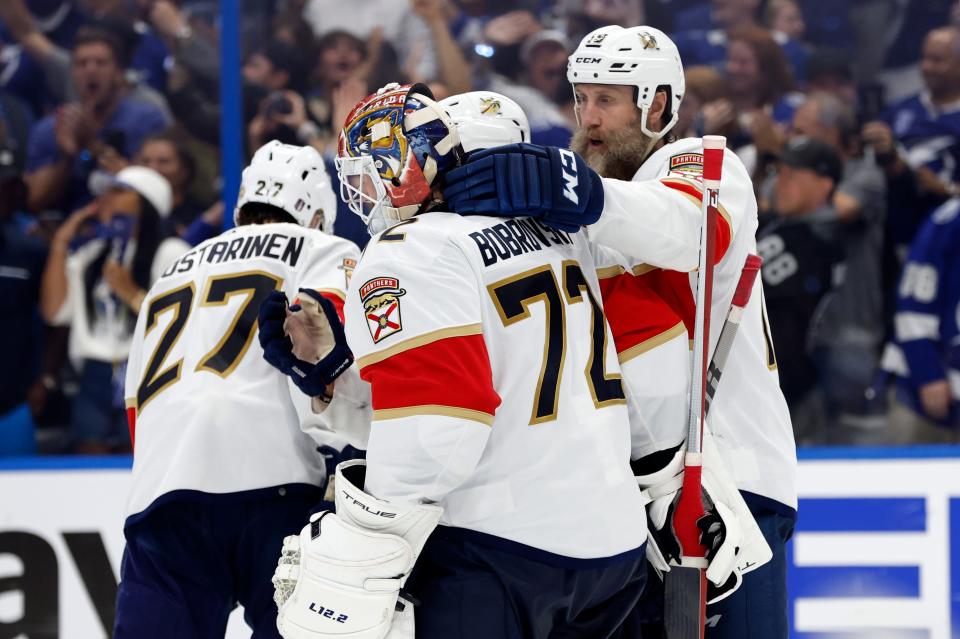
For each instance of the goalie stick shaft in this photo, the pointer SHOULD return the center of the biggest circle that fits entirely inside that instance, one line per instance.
(685, 597)
(682, 600)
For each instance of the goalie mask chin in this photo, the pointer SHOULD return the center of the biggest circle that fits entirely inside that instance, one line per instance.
(394, 147)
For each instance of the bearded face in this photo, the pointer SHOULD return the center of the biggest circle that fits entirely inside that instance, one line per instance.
(613, 153)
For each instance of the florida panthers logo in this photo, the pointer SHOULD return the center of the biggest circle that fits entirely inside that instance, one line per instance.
(490, 106)
(381, 306)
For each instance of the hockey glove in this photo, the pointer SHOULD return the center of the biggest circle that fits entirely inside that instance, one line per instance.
(343, 574)
(516, 180)
(320, 338)
(720, 532)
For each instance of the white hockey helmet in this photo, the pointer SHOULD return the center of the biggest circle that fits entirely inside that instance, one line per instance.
(291, 178)
(485, 119)
(641, 57)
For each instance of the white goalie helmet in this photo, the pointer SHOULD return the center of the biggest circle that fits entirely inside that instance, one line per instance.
(291, 178)
(641, 57)
(485, 119)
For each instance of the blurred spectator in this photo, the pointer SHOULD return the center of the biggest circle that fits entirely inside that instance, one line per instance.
(166, 154)
(139, 51)
(928, 124)
(340, 82)
(191, 48)
(850, 325)
(584, 16)
(452, 68)
(758, 76)
(829, 24)
(270, 72)
(347, 70)
(759, 99)
(102, 261)
(902, 41)
(21, 76)
(704, 35)
(705, 87)
(801, 248)
(102, 125)
(397, 20)
(16, 121)
(829, 71)
(784, 19)
(917, 143)
(24, 383)
(541, 88)
(926, 356)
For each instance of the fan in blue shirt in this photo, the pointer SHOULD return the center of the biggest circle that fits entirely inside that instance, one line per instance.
(926, 357)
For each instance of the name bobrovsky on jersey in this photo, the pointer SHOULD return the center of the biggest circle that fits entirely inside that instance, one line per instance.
(516, 237)
(276, 246)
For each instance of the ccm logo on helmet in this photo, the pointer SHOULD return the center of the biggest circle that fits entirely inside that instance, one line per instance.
(569, 161)
(588, 60)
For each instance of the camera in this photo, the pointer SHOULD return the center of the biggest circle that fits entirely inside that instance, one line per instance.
(277, 104)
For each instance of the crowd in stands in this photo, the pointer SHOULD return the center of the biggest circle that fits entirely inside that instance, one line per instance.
(847, 114)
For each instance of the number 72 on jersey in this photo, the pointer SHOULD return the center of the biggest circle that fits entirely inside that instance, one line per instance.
(514, 295)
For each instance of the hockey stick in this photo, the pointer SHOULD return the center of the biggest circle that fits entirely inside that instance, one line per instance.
(741, 297)
(685, 586)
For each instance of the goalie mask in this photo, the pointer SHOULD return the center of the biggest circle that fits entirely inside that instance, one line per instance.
(293, 179)
(641, 57)
(394, 147)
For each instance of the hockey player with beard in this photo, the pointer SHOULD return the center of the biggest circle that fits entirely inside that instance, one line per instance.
(644, 201)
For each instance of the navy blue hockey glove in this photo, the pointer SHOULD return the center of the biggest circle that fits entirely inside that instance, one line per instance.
(305, 341)
(516, 180)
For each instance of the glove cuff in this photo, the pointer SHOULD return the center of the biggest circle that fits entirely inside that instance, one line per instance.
(412, 522)
(672, 466)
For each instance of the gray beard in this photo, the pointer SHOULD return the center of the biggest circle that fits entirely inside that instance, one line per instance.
(622, 156)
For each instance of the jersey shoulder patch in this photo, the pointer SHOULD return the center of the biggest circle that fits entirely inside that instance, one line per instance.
(688, 164)
(380, 297)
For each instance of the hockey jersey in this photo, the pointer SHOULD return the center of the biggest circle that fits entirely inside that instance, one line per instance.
(207, 412)
(929, 135)
(652, 348)
(655, 220)
(495, 385)
(927, 320)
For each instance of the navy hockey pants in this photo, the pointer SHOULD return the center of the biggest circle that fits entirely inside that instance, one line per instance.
(191, 559)
(758, 609)
(468, 589)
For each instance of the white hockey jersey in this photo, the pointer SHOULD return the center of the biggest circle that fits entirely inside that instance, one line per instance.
(652, 347)
(655, 219)
(496, 390)
(207, 412)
